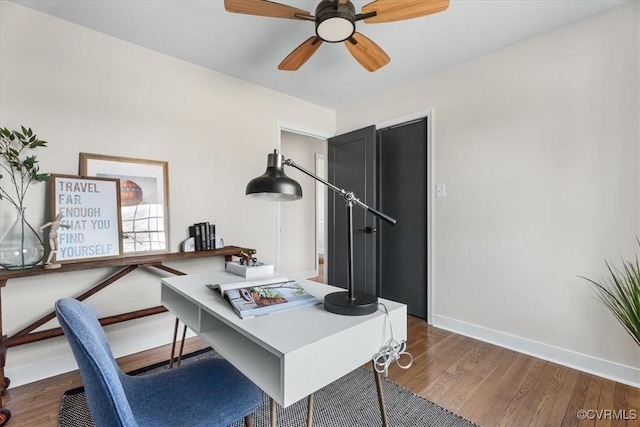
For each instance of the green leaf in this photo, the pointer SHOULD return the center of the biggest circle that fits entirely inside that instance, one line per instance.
(38, 143)
(29, 161)
(22, 168)
(620, 293)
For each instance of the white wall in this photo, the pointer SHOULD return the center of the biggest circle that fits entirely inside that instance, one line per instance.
(298, 223)
(538, 145)
(88, 92)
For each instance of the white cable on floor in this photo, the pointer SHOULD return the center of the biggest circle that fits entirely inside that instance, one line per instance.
(391, 351)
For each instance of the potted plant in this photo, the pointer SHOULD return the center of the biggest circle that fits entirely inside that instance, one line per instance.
(620, 292)
(20, 246)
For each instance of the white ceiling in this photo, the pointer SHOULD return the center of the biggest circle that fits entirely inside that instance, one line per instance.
(251, 47)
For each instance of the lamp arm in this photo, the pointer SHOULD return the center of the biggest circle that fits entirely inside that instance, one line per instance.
(293, 164)
(348, 195)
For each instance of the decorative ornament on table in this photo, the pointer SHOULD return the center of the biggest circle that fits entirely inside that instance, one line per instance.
(50, 263)
(248, 265)
(20, 245)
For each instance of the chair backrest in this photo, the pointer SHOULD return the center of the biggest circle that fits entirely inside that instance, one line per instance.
(99, 371)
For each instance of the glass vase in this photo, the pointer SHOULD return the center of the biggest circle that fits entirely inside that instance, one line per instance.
(20, 247)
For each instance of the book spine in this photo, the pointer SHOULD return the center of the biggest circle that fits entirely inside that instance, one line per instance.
(212, 236)
(197, 237)
(204, 234)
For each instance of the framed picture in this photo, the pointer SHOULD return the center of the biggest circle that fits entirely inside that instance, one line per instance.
(144, 195)
(85, 216)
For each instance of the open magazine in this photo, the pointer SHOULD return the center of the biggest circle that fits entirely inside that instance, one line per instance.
(249, 298)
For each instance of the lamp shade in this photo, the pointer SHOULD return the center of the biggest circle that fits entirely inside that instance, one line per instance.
(274, 184)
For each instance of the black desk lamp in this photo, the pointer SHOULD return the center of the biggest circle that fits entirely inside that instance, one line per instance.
(276, 186)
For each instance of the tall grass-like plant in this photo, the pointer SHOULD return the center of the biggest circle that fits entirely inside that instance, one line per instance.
(620, 292)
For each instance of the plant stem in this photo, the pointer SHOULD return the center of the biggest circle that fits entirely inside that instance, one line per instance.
(22, 236)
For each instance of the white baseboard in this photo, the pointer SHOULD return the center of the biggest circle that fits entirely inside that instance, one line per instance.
(614, 371)
(42, 369)
(308, 274)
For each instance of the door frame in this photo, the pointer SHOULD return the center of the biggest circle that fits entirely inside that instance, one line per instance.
(321, 158)
(429, 114)
(300, 130)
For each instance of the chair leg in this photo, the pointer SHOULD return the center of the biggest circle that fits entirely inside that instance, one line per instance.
(248, 420)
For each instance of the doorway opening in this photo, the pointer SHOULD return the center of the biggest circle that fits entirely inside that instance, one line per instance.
(403, 121)
(300, 225)
(321, 228)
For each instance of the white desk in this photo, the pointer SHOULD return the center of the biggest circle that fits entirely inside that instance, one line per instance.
(289, 355)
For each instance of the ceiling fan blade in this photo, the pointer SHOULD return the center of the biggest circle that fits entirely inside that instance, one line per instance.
(265, 8)
(301, 54)
(367, 53)
(398, 10)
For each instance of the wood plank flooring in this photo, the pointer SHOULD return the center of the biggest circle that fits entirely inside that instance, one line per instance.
(489, 385)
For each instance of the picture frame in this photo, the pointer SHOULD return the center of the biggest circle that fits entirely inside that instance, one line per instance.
(144, 194)
(89, 225)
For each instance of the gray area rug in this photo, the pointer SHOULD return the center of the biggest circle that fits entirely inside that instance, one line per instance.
(351, 401)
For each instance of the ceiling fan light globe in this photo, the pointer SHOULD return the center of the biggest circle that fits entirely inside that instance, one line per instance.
(335, 29)
(335, 22)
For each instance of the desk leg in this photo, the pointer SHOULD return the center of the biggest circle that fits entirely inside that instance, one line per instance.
(383, 410)
(310, 410)
(173, 344)
(272, 412)
(184, 335)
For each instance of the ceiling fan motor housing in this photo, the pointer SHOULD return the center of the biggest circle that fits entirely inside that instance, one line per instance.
(335, 22)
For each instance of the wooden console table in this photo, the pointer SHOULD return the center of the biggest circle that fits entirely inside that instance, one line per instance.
(125, 266)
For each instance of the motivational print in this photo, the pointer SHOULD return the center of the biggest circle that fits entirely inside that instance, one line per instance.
(90, 224)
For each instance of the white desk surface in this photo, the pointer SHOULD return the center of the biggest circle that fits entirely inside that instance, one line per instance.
(307, 347)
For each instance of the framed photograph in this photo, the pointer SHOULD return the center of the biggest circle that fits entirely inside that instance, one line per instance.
(85, 216)
(144, 195)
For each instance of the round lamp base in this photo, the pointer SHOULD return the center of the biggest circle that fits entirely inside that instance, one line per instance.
(339, 303)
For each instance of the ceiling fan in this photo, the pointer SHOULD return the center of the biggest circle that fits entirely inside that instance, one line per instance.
(335, 22)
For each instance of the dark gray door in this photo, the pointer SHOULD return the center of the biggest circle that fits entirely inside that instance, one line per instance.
(351, 165)
(402, 194)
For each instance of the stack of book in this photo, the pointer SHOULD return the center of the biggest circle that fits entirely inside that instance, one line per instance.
(204, 235)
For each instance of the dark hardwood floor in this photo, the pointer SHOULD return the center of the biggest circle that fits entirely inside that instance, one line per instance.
(489, 385)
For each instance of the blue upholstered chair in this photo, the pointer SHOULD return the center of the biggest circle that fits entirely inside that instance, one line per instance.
(208, 392)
